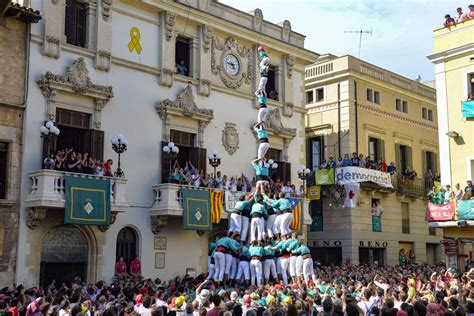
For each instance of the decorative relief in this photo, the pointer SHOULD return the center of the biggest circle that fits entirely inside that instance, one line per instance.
(103, 60)
(290, 62)
(52, 47)
(35, 216)
(206, 37)
(230, 138)
(170, 20)
(157, 222)
(231, 47)
(204, 88)
(257, 20)
(54, 2)
(286, 31)
(288, 109)
(166, 77)
(106, 9)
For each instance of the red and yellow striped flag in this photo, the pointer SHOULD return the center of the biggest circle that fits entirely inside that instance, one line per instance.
(297, 216)
(217, 202)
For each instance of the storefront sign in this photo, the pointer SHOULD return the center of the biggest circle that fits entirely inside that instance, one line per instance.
(451, 247)
(373, 244)
(439, 212)
(327, 243)
(347, 175)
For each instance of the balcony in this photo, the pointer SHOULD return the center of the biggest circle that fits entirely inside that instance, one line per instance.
(48, 192)
(414, 188)
(168, 204)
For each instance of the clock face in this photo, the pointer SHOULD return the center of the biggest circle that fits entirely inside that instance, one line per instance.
(231, 65)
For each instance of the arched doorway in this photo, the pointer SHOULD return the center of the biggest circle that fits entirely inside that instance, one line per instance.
(64, 255)
(127, 245)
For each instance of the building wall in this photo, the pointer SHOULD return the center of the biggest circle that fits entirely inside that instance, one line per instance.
(12, 94)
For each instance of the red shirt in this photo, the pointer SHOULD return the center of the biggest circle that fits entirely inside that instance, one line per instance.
(120, 267)
(107, 170)
(383, 166)
(135, 266)
(14, 311)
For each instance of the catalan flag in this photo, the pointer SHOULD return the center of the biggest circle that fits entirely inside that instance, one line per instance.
(297, 222)
(217, 203)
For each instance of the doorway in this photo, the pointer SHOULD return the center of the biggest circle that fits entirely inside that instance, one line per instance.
(64, 256)
(127, 245)
(372, 256)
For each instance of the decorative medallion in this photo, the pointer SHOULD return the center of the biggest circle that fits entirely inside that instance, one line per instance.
(230, 138)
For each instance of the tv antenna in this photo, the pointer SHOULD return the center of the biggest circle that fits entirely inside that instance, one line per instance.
(360, 32)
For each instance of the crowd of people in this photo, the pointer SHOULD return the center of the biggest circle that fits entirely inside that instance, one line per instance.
(358, 160)
(352, 290)
(71, 161)
(460, 16)
(444, 194)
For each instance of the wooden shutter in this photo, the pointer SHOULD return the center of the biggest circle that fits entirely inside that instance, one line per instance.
(97, 144)
(201, 158)
(81, 16)
(409, 159)
(434, 163)
(285, 171)
(398, 161)
(70, 22)
(380, 149)
(424, 162)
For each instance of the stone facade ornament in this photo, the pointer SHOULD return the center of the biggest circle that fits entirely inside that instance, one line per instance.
(157, 222)
(288, 109)
(103, 60)
(290, 62)
(257, 20)
(275, 126)
(203, 5)
(107, 9)
(35, 216)
(286, 31)
(52, 47)
(204, 88)
(206, 37)
(230, 138)
(170, 20)
(245, 56)
(54, 2)
(166, 77)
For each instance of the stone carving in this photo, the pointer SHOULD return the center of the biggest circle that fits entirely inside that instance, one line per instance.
(274, 123)
(52, 47)
(203, 5)
(54, 2)
(231, 47)
(166, 77)
(113, 217)
(288, 109)
(170, 20)
(35, 216)
(257, 20)
(206, 37)
(157, 222)
(230, 138)
(286, 31)
(103, 60)
(204, 88)
(185, 103)
(290, 62)
(201, 127)
(106, 9)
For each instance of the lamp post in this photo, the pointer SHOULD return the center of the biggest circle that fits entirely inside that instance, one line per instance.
(214, 161)
(171, 150)
(49, 132)
(303, 173)
(119, 145)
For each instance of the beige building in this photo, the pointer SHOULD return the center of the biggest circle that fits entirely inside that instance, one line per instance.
(354, 106)
(14, 36)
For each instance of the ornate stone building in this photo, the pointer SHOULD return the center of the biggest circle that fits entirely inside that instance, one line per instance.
(100, 68)
(14, 34)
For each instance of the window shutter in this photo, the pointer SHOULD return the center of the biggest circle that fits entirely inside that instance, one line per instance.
(398, 162)
(434, 163)
(70, 22)
(381, 149)
(424, 162)
(81, 25)
(286, 171)
(97, 144)
(409, 161)
(202, 159)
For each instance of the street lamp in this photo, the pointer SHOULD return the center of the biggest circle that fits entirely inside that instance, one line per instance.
(171, 150)
(214, 161)
(49, 132)
(303, 173)
(119, 145)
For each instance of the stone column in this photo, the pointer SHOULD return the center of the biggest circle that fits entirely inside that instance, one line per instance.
(167, 48)
(53, 16)
(103, 35)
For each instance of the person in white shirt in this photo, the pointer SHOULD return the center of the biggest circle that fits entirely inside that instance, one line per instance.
(366, 303)
(300, 192)
(219, 180)
(287, 190)
(233, 184)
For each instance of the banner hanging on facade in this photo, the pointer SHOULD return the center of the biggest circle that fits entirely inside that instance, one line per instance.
(325, 176)
(439, 212)
(352, 194)
(466, 209)
(376, 224)
(297, 222)
(314, 192)
(468, 108)
(231, 198)
(196, 209)
(347, 175)
(217, 201)
(87, 201)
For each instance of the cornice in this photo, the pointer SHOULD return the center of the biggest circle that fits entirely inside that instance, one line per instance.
(451, 53)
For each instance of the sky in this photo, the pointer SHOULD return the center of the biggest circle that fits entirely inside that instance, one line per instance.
(402, 30)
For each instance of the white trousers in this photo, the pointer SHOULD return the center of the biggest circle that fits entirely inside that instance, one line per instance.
(299, 266)
(219, 260)
(308, 270)
(293, 266)
(264, 62)
(284, 269)
(245, 228)
(277, 224)
(270, 225)
(285, 223)
(257, 229)
(235, 224)
(228, 263)
(211, 267)
(244, 270)
(262, 117)
(269, 266)
(262, 150)
(233, 268)
(262, 83)
(256, 272)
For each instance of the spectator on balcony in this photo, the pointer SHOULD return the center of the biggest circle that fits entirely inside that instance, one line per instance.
(448, 194)
(382, 165)
(392, 169)
(347, 162)
(108, 168)
(331, 163)
(470, 97)
(340, 162)
(324, 164)
(233, 184)
(277, 186)
(300, 193)
(428, 179)
(287, 190)
(459, 15)
(362, 161)
(177, 176)
(72, 162)
(370, 164)
(355, 160)
(448, 20)
(468, 189)
(409, 174)
(206, 181)
(273, 95)
(181, 68)
(469, 15)
(458, 192)
(49, 162)
(435, 196)
(98, 169)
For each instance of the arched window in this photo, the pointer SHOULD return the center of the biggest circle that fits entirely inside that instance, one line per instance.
(127, 245)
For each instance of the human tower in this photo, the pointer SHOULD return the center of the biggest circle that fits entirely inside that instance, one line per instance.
(272, 251)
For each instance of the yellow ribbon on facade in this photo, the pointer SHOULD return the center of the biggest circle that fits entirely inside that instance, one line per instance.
(134, 43)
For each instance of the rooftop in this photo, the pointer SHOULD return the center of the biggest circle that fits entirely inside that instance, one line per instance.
(17, 10)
